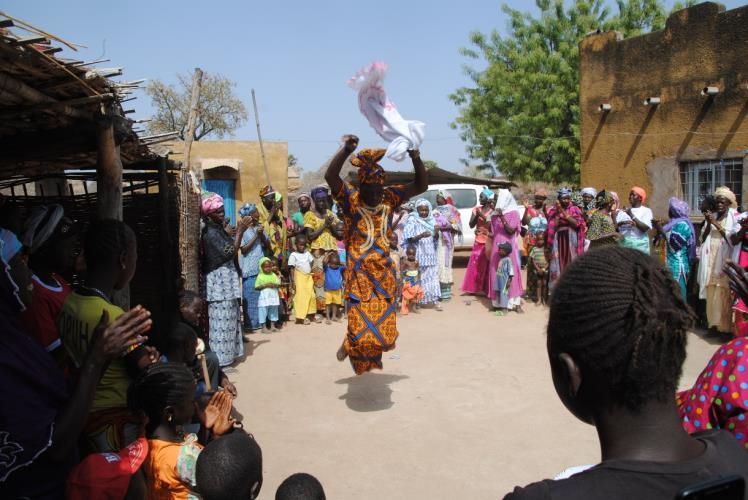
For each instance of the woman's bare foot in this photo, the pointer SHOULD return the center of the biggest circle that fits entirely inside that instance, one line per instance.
(307, 322)
(341, 354)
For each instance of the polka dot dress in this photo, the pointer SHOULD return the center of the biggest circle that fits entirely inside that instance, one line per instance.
(719, 399)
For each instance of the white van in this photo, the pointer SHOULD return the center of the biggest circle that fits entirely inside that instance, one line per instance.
(465, 197)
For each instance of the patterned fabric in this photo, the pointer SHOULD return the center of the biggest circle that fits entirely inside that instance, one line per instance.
(679, 212)
(719, 398)
(251, 296)
(566, 243)
(276, 231)
(447, 219)
(266, 190)
(250, 262)
(318, 275)
(426, 256)
(600, 230)
(678, 261)
(210, 202)
(325, 241)
(223, 293)
(247, 209)
(370, 281)
(369, 170)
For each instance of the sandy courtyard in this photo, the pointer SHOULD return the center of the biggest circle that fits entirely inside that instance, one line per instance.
(464, 407)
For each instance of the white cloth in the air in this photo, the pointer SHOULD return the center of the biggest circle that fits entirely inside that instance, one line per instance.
(382, 114)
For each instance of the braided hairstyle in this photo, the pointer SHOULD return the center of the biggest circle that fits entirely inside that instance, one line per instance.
(161, 385)
(106, 239)
(619, 314)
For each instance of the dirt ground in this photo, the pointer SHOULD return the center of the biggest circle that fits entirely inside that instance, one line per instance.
(464, 407)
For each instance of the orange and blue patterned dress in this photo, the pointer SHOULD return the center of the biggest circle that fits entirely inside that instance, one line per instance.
(370, 281)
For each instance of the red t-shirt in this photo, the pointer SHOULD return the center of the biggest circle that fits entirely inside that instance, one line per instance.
(40, 319)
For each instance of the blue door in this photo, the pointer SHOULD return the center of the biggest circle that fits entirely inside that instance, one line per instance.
(224, 188)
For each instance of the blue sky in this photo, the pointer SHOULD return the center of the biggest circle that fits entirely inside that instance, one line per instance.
(297, 55)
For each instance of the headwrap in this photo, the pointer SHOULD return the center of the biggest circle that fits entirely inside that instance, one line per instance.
(487, 192)
(590, 191)
(304, 195)
(264, 278)
(678, 212)
(266, 190)
(640, 192)
(727, 193)
(42, 225)
(210, 202)
(506, 201)
(428, 221)
(616, 201)
(603, 198)
(409, 205)
(320, 192)
(369, 170)
(247, 209)
(506, 247)
(10, 245)
(564, 191)
(541, 192)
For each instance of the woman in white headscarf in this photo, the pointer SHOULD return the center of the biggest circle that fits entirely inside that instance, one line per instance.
(716, 249)
(505, 226)
(420, 232)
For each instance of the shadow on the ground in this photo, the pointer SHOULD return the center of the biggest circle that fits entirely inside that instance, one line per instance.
(370, 391)
(711, 338)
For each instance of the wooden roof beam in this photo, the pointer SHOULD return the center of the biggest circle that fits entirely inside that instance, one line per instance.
(9, 85)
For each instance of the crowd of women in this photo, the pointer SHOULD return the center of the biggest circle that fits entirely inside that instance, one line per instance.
(549, 236)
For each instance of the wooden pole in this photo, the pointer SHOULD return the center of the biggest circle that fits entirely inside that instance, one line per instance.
(197, 81)
(169, 275)
(109, 183)
(259, 137)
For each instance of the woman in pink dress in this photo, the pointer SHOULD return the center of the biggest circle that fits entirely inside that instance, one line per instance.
(476, 275)
(505, 227)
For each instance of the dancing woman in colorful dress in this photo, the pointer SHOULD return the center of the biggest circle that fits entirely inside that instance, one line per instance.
(371, 283)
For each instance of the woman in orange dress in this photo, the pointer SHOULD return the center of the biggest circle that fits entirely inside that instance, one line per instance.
(371, 283)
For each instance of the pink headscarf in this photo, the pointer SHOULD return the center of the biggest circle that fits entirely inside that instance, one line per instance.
(211, 202)
(640, 191)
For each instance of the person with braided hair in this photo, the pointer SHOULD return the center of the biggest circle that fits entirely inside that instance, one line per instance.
(616, 343)
(370, 280)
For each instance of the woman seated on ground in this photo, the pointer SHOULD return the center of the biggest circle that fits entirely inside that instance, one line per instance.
(40, 419)
(616, 343)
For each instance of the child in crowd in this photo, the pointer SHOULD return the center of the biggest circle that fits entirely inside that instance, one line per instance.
(110, 251)
(338, 230)
(504, 274)
(300, 486)
(230, 468)
(411, 278)
(166, 395)
(333, 287)
(50, 238)
(302, 283)
(268, 283)
(284, 309)
(539, 262)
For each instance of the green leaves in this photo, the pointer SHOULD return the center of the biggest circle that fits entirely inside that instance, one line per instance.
(521, 115)
(220, 112)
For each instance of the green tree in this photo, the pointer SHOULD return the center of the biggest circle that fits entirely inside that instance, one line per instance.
(220, 111)
(521, 115)
(430, 164)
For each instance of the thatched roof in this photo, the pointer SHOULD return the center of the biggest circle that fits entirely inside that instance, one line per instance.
(49, 105)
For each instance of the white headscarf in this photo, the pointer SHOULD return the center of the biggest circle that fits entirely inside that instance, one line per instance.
(506, 201)
(40, 225)
(590, 191)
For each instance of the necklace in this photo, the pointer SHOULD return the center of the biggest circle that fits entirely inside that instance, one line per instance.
(98, 292)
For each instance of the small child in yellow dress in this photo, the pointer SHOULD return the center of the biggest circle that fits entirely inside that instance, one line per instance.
(334, 283)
